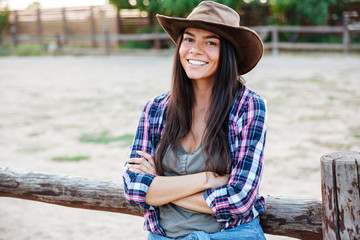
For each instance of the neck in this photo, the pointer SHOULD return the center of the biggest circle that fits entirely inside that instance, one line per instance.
(202, 93)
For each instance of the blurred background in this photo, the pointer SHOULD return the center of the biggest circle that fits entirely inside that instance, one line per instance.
(105, 27)
(75, 75)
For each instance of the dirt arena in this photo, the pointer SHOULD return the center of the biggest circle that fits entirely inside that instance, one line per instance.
(76, 116)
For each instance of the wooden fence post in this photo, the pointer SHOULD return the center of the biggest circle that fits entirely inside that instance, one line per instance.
(106, 39)
(275, 40)
(118, 24)
(156, 40)
(14, 29)
(65, 26)
(346, 34)
(340, 181)
(39, 27)
(93, 27)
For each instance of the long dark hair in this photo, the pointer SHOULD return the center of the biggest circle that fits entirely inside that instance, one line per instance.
(179, 111)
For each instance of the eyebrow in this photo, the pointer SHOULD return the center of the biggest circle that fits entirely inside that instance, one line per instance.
(206, 37)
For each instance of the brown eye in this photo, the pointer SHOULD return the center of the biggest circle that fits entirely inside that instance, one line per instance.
(211, 43)
(188, 39)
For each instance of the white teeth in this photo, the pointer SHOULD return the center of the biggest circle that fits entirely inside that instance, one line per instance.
(198, 63)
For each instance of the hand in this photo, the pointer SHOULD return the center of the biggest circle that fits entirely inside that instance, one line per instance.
(214, 180)
(145, 164)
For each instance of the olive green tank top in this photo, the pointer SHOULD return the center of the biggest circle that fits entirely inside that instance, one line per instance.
(177, 221)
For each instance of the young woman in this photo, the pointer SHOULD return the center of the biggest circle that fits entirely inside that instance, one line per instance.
(196, 161)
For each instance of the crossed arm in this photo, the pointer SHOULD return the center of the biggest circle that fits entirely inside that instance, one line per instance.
(185, 191)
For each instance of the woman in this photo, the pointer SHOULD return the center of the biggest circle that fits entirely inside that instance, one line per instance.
(196, 161)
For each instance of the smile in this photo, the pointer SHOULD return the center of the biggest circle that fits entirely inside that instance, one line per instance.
(197, 62)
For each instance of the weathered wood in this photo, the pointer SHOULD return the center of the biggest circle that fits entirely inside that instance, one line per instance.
(292, 217)
(330, 211)
(341, 190)
(77, 192)
(299, 218)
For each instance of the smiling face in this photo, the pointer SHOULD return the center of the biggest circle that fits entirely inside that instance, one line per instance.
(199, 53)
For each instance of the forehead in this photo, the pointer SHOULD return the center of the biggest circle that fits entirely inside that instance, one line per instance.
(200, 32)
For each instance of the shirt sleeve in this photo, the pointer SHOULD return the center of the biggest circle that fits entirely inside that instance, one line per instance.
(136, 185)
(236, 199)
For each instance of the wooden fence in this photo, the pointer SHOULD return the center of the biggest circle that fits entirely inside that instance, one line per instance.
(99, 27)
(337, 217)
(275, 45)
(107, 41)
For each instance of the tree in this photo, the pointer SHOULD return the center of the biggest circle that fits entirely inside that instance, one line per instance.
(120, 4)
(4, 14)
(34, 6)
(296, 12)
(168, 7)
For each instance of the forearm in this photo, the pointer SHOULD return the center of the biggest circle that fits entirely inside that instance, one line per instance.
(195, 202)
(166, 189)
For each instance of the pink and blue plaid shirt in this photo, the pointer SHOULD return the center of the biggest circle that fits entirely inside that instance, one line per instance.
(237, 202)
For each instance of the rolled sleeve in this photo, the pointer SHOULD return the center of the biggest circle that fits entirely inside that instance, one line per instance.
(236, 199)
(136, 185)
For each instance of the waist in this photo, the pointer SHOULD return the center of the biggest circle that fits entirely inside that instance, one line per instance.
(178, 222)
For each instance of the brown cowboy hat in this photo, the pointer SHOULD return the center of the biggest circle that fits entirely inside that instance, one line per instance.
(224, 21)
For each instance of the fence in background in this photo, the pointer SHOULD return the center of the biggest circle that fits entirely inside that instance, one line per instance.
(99, 27)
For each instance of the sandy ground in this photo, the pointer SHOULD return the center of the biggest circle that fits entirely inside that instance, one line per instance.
(51, 106)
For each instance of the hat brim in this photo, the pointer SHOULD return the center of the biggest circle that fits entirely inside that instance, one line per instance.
(248, 45)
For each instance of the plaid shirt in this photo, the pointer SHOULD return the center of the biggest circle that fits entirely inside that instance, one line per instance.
(237, 202)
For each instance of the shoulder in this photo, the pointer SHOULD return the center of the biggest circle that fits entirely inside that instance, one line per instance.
(157, 104)
(247, 100)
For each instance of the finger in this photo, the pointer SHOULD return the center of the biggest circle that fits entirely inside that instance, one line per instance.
(139, 163)
(142, 161)
(136, 170)
(146, 156)
(136, 160)
(141, 168)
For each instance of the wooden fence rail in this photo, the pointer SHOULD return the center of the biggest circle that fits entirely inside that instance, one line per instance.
(337, 217)
(299, 218)
(105, 39)
(276, 45)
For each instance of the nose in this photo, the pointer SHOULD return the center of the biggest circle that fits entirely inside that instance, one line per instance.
(196, 49)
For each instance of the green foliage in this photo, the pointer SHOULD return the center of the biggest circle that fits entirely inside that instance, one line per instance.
(4, 14)
(105, 138)
(30, 50)
(177, 8)
(290, 12)
(121, 4)
(137, 45)
(168, 7)
(70, 159)
(34, 6)
(294, 12)
(5, 50)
